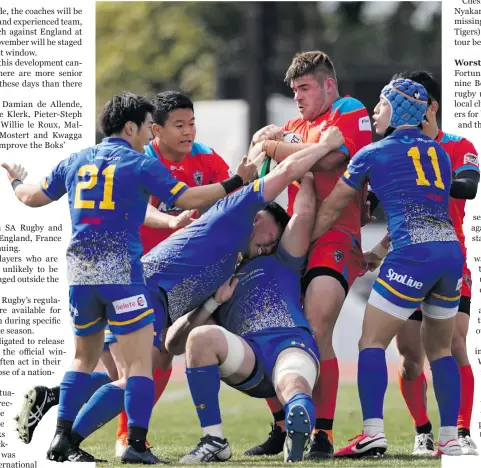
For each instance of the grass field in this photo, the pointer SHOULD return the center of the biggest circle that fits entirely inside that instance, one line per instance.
(175, 430)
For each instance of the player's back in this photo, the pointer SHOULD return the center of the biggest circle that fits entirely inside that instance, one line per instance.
(268, 295)
(411, 175)
(107, 201)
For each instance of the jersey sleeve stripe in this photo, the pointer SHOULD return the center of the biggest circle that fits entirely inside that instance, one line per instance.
(397, 293)
(128, 322)
(177, 187)
(257, 184)
(467, 167)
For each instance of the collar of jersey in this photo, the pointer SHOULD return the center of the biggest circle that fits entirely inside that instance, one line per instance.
(116, 140)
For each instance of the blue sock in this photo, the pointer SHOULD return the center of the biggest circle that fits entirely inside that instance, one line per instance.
(106, 403)
(204, 384)
(447, 388)
(372, 382)
(303, 400)
(97, 380)
(139, 401)
(74, 392)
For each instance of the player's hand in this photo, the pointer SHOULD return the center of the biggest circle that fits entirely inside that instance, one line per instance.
(248, 169)
(269, 132)
(15, 171)
(372, 260)
(225, 292)
(254, 153)
(332, 138)
(183, 220)
(366, 216)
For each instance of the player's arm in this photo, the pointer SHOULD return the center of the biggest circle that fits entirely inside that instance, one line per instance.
(465, 185)
(465, 164)
(351, 181)
(375, 256)
(29, 194)
(297, 235)
(197, 197)
(157, 220)
(298, 164)
(332, 207)
(178, 332)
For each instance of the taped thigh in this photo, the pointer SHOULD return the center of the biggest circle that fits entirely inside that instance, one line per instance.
(295, 361)
(235, 354)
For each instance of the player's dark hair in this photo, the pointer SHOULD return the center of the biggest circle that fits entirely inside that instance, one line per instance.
(426, 79)
(123, 108)
(168, 101)
(280, 214)
(315, 63)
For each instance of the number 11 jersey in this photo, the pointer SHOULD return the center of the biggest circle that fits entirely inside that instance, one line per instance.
(410, 173)
(108, 188)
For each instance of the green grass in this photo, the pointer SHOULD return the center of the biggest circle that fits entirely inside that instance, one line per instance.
(174, 429)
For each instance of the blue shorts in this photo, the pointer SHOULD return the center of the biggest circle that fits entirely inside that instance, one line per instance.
(125, 308)
(267, 345)
(429, 273)
(159, 303)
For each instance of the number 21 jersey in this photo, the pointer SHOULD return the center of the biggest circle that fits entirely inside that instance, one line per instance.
(108, 187)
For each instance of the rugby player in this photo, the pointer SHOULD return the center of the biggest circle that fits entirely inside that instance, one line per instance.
(411, 175)
(184, 270)
(465, 167)
(107, 206)
(335, 260)
(190, 162)
(263, 344)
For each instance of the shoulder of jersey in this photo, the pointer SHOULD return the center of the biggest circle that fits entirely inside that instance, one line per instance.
(450, 138)
(199, 149)
(347, 104)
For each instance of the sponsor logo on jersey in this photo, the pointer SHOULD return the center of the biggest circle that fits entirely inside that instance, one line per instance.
(364, 124)
(291, 137)
(198, 177)
(73, 311)
(467, 280)
(459, 285)
(470, 158)
(338, 255)
(129, 304)
(176, 168)
(403, 279)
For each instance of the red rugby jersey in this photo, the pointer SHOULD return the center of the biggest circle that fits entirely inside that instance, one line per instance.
(352, 118)
(202, 166)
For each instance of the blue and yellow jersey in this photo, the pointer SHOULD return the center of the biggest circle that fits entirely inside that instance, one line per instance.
(108, 187)
(268, 295)
(194, 262)
(411, 175)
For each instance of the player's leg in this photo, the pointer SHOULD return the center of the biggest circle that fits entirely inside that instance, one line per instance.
(212, 354)
(294, 376)
(412, 382)
(459, 351)
(38, 400)
(437, 336)
(334, 263)
(88, 322)
(130, 313)
(439, 320)
(162, 369)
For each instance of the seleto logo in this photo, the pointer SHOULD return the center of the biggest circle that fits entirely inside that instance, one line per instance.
(403, 279)
(129, 304)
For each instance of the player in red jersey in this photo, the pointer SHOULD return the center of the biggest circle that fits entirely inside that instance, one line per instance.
(335, 259)
(464, 161)
(174, 145)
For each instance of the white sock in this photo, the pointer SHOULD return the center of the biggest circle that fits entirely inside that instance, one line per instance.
(447, 433)
(215, 430)
(373, 426)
